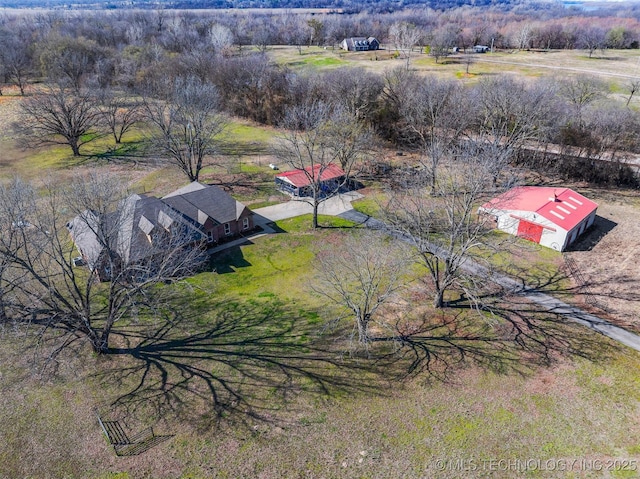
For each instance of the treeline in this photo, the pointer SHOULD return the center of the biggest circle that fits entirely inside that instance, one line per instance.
(97, 57)
(343, 5)
(174, 31)
(123, 46)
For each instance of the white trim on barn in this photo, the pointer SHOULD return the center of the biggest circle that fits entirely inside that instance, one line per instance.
(552, 217)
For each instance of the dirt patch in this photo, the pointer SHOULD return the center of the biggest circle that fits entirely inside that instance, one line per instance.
(607, 256)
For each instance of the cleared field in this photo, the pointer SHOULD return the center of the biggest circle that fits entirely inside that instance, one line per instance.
(616, 67)
(607, 257)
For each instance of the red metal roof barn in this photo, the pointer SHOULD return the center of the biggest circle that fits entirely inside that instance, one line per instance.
(297, 182)
(552, 217)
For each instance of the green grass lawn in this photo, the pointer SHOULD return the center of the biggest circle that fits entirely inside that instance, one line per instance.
(244, 138)
(250, 378)
(311, 57)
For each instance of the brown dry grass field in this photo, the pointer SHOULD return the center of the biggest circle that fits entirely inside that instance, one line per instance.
(614, 66)
(251, 381)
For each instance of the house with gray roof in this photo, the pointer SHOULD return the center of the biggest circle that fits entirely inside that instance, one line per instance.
(360, 44)
(143, 227)
(215, 211)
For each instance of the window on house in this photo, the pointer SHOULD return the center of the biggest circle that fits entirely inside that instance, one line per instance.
(245, 223)
(227, 229)
(210, 236)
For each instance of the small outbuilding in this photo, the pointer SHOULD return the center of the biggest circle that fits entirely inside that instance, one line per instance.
(331, 178)
(552, 217)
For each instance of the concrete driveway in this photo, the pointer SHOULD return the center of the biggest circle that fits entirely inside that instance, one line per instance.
(334, 206)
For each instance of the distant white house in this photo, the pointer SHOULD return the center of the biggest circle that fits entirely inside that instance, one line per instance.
(552, 217)
(360, 44)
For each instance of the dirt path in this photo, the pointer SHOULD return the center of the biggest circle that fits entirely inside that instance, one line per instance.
(559, 68)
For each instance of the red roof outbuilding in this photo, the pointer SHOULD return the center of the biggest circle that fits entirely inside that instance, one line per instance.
(300, 178)
(562, 206)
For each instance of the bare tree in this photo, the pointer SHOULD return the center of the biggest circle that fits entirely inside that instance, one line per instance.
(15, 55)
(468, 60)
(187, 126)
(66, 304)
(592, 38)
(442, 41)
(68, 60)
(404, 37)
(398, 84)
(521, 35)
(317, 28)
(445, 229)
(361, 276)
(310, 146)
(119, 113)
(295, 32)
(220, 37)
(581, 92)
(58, 116)
(254, 87)
(15, 206)
(615, 130)
(632, 86)
(348, 138)
(512, 115)
(433, 115)
(352, 89)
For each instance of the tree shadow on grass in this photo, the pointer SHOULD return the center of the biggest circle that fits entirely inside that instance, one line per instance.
(545, 278)
(498, 330)
(240, 361)
(569, 282)
(135, 152)
(436, 346)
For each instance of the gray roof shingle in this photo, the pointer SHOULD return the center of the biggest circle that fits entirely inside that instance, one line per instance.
(198, 201)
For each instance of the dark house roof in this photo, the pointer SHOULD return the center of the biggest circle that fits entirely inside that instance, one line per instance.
(361, 43)
(300, 178)
(200, 202)
(139, 228)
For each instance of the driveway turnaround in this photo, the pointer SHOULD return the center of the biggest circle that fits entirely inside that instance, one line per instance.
(333, 206)
(262, 217)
